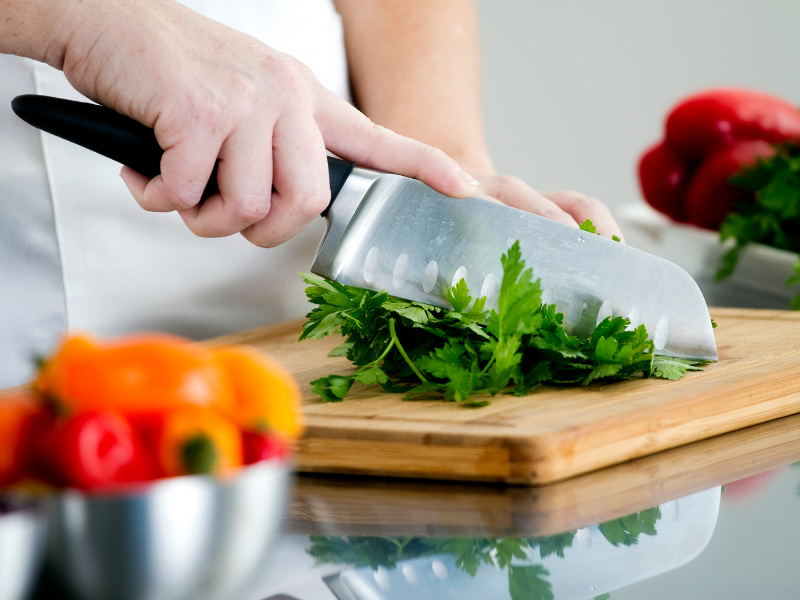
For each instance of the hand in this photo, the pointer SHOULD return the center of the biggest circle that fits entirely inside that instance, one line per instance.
(570, 208)
(211, 92)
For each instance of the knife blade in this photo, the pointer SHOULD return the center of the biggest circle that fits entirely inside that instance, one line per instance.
(393, 233)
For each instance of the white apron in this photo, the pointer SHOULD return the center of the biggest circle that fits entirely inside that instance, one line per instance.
(77, 252)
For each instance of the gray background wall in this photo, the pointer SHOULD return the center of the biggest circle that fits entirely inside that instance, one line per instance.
(574, 90)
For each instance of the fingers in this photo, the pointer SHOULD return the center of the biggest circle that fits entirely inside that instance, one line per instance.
(244, 178)
(351, 135)
(512, 191)
(582, 207)
(185, 169)
(300, 177)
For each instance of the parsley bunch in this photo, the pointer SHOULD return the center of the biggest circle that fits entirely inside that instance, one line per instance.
(420, 349)
(774, 218)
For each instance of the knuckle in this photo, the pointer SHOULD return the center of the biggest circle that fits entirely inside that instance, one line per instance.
(553, 214)
(597, 205)
(294, 77)
(261, 239)
(204, 112)
(180, 199)
(315, 202)
(251, 209)
(510, 183)
(379, 134)
(435, 154)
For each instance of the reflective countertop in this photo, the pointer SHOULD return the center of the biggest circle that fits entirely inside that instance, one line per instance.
(715, 519)
(685, 549)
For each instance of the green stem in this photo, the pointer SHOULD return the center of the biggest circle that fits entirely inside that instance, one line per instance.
(401, 545)
(403, 352)
(382, 356)
(488, 365)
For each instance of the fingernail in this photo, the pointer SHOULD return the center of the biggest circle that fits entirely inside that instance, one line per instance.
(467, 178)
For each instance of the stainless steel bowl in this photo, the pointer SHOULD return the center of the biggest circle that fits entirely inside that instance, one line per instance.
(22, 531)
(182, 538)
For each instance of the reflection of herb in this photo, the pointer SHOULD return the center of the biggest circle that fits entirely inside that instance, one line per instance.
(626, 531)
(529, 583)
(420, 349)
(362, 551)
(525, 582)
(555, 544)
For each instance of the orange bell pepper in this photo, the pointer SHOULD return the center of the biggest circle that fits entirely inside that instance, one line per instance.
(16, 418)
(191, 440)
(265, 396)
(134, 374)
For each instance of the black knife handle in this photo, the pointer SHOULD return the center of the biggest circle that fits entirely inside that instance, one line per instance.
(122, 139)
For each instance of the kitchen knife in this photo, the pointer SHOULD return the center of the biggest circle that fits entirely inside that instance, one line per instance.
(393, 233)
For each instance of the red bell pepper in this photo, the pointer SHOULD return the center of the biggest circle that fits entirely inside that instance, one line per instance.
(263, 446)
(708, 137)
(97, 449)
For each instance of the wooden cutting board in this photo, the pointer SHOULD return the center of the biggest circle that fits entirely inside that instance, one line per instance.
(373, 506)
(553, 434)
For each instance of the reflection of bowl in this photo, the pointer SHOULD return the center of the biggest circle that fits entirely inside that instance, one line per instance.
(21, 550)
(187, 537)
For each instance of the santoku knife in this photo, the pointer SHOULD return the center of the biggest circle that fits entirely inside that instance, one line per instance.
(393, 233)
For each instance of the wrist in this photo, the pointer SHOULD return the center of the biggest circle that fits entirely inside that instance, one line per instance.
(42, 29)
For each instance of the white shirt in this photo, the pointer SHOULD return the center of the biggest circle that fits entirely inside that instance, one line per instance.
(77, 252)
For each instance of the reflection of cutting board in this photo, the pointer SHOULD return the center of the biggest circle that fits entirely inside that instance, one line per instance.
(554, 433)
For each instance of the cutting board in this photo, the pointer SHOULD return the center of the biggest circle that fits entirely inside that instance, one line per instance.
(373, 506)
(552, 434)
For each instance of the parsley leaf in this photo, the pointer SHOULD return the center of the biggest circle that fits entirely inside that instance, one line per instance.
(588, 226)
(422, 350)
(626, 531)
(774, 216)
(668, 367)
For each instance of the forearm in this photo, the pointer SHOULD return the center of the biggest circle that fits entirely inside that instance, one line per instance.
(415, 69)
(40, 29)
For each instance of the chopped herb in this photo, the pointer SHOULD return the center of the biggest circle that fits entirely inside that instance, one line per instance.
(588, 226)
(423, 350)
(774, 218)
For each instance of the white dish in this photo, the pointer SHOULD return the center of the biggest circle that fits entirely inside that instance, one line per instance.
(760, 276)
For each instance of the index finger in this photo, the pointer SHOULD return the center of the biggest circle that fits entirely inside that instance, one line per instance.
(351, 135)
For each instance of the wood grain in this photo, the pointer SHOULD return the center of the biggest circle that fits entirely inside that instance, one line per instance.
(553, 434)
(325, 505)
